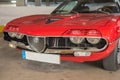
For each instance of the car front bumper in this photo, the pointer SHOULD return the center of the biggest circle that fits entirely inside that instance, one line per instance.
(94, 56)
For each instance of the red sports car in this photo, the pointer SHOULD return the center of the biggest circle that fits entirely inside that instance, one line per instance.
(78, 30)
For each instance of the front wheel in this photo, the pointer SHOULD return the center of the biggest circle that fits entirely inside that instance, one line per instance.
(112, 62)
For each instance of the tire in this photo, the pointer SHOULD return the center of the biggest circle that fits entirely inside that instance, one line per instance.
(112, 62)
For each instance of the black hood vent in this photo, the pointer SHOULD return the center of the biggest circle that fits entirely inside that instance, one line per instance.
(52, 20)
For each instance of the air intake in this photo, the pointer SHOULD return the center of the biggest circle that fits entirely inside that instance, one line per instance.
(52, 20)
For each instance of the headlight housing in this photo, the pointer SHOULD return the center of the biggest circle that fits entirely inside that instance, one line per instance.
(76, 40)
(93, 40)
(19, 36)
(12, 34)
(15, 35)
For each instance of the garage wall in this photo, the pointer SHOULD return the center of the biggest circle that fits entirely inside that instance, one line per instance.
(9, 13)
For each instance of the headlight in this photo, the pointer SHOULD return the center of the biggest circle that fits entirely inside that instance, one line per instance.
(93, 40)
(11, 34)
(19, 36)
(76, 40)
(15, 35)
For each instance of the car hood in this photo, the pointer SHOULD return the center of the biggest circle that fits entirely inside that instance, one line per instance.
(56, 25)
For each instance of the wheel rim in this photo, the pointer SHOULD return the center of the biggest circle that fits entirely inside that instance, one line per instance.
(118, 53)
(118, 57)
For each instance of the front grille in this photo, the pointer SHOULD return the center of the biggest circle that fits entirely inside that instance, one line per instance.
(58, 42)
(40, 44)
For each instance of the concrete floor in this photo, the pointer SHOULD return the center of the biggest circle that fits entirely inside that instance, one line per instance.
(12, 67)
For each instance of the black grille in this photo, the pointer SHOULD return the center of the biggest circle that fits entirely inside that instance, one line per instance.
(64, 42)
(40, 44)
(58, 42)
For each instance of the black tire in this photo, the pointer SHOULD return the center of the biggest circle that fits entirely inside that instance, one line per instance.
(111, 63)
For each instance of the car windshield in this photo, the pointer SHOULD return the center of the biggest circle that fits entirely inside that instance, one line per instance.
(87, 6)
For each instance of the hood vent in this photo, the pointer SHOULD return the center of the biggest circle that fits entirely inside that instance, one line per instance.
(52, 20)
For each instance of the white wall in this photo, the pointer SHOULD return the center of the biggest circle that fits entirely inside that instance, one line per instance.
(9, 13)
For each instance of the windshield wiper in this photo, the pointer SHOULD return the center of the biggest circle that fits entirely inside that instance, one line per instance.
(104, 12)
(75, 12)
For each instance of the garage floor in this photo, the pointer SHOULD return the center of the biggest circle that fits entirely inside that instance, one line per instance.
(12, 67)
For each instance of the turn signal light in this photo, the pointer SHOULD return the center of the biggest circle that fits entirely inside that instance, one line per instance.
(12, 28)
(83, 32)
(93, 33)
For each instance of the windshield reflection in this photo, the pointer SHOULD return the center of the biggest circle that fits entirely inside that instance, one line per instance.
(87, 6)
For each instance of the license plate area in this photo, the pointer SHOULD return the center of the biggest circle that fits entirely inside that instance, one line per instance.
(41, 57)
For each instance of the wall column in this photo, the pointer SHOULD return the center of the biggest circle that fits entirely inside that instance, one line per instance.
(38, 2)
(21, 3)
(47, 2)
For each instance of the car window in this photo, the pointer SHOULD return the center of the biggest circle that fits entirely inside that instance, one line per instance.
(66, 8)
(101, 1)
(88, 6)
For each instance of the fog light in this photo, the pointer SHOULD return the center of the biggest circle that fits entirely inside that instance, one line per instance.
(12, 44)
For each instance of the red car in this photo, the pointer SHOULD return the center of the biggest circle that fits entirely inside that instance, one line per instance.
(79, 30)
